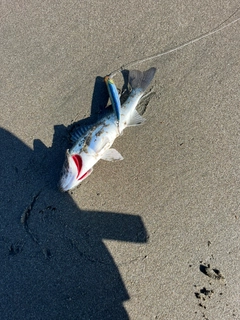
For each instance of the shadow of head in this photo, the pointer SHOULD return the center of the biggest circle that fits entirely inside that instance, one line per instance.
(54, 264)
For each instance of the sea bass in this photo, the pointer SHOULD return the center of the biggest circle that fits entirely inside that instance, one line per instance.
(92, 143)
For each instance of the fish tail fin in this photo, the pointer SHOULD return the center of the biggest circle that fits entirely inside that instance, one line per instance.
(141, 80)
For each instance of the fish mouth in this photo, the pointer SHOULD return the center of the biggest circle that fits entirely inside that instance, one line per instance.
(71, 176)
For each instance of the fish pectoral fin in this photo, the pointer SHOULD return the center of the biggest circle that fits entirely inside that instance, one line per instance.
(135, 119)
(112, 155)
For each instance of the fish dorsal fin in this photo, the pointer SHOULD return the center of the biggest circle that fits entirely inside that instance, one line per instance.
(135, 119)
(78, 132)
(112, 155)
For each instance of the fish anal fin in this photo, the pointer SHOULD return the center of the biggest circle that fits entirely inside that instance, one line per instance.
(135, 119)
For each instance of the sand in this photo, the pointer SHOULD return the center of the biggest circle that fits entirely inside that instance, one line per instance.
(155, 236)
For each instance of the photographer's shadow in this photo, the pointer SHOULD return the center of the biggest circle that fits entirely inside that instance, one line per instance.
(54, 264)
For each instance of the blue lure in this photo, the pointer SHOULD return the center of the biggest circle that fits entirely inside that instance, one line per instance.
(114, 97)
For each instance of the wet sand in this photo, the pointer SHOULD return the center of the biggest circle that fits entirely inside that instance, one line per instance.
(155, 236)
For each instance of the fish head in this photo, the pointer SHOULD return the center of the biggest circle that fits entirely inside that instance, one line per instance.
(72, 172)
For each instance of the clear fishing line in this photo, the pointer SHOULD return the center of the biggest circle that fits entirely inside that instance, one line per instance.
(219, 28)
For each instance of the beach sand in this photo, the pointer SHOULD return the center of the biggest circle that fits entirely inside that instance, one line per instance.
(155, 236)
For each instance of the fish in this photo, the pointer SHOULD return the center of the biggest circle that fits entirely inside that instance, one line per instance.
(94, 142)
(114, 97)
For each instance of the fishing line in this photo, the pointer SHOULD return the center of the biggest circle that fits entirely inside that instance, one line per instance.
(205, 35)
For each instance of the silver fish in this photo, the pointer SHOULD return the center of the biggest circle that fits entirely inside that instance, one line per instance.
(92, 143)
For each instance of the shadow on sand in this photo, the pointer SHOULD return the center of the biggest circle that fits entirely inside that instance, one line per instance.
(54, 264)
